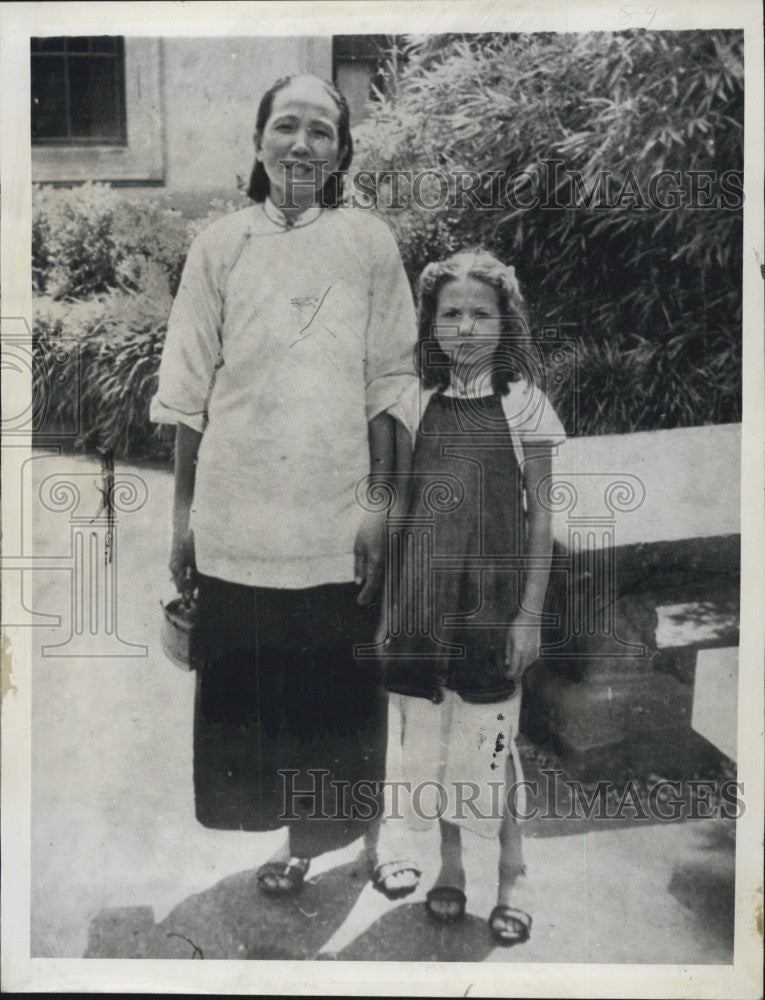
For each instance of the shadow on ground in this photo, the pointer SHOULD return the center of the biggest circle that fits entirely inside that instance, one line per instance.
(706, 884)
(233, 920)
(407, 934)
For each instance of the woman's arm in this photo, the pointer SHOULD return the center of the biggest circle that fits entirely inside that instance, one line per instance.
(402, 467)
(524, 635)
(182, 560)
(391, 335)
(369, 549)
(190, 355)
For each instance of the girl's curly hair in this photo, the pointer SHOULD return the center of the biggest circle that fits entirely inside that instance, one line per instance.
(434, 364)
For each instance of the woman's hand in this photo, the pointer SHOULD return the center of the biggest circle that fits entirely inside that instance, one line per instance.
(183, 566)
(382, 630)
(368, 553)
(522, 644)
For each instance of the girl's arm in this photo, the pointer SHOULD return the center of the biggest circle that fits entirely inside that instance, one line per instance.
(524, 635)
(182, 560)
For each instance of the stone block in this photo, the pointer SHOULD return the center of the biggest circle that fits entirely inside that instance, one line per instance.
(611, 691)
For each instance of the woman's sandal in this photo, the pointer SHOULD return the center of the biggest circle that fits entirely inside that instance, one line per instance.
(387, 870)
(282, 878)
(515, 927)
(446, 894)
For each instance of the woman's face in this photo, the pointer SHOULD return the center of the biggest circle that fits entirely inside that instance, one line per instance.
(302, 126)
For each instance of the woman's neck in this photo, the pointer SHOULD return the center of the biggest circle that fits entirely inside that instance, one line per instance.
(294, 215)
(296, 204)
(293, 212)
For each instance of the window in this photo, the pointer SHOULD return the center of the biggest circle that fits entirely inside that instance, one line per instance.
(97, 110)
(78, 91)
(359, 63)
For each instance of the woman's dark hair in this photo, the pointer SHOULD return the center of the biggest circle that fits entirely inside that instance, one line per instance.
(332, 191)
(509, 362)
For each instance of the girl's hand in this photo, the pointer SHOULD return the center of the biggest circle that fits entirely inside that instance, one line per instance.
(183, 566)
(522, 644)
(368, 552)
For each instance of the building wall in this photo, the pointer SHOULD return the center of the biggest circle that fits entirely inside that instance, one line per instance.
(211, 90)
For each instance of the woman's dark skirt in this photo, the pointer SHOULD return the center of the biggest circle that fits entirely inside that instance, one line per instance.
(284, 707)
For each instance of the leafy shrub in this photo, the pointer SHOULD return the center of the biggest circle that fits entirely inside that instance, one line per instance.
(422, 236)
(72, 247)
(146, 238)
(120, 345)
(87, 240)
(629, 384)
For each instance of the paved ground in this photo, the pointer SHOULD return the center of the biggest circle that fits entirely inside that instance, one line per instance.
(121, 868)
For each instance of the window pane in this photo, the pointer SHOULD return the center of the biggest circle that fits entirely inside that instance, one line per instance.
(49, 119)
(51, 44)
(94, 98)
(78, 92)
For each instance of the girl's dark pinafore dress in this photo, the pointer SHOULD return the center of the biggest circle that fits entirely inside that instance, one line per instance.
(455, 577)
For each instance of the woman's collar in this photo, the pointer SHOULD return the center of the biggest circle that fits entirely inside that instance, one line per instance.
(275, 215)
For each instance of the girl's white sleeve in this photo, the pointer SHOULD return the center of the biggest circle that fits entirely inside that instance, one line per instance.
(192, 345)
(392, 327)
(531, 415)
(531, 418)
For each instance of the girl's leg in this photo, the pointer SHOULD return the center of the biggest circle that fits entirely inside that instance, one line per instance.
(509, 925)
(510, 858)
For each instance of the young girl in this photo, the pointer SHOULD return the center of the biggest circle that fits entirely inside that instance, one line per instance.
(470, 549)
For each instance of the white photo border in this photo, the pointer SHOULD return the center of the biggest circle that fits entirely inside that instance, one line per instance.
(20, 21)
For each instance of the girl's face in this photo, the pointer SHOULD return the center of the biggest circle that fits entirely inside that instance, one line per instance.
(468, 320)
(302, 126)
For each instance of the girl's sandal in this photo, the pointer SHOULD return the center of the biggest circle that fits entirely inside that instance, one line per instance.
(389, 869)
(509, 926)
(452, 904)
(279, 878)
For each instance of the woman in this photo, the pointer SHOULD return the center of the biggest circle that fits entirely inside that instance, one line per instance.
(289, 339)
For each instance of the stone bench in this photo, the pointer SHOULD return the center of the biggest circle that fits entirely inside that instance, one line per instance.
(639, 663)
